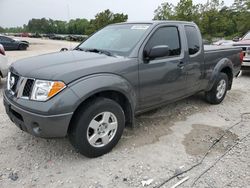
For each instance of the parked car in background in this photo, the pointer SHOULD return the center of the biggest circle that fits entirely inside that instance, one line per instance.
(3, 63)
(35, 35)
(223, 42)
(244, 43)
(77, 38)
(13, 44)
(25, 34)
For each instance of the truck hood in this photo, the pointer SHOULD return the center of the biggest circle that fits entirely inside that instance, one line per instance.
(67, 66)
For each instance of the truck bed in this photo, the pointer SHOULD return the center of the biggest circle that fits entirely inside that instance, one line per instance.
(209, 48)
(213, 54)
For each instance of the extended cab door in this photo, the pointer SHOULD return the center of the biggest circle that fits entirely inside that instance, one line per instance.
(162, 79)
(195, 58)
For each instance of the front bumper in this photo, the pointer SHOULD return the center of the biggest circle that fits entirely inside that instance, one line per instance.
(38, 125)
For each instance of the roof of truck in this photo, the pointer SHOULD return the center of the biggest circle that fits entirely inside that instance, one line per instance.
(158, 22)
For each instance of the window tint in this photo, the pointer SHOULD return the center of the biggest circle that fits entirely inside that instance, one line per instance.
(5, 39)
(166, 36)
(193, 39)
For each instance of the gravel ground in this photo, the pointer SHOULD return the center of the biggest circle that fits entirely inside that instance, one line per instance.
(164, 142)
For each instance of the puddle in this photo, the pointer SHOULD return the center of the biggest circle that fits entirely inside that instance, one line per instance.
(150, 126)
(202, 137)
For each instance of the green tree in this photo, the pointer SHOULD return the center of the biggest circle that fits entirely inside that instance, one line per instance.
(2, 29)
(78, 26)
(185, 10)
(105, 18)
(241, 9)
(164, 12)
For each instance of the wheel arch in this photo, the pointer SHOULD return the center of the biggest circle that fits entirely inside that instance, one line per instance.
(107, 86)
(226, 66)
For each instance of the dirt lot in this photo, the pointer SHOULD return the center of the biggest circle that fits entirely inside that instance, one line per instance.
(164, 142)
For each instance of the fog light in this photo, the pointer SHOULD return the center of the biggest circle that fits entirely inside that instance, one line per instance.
(36, 129)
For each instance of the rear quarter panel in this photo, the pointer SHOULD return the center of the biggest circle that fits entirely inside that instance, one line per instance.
(218, 58)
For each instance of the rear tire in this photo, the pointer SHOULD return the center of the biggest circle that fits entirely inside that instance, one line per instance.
(97, 127)
(219, 90)
(22, 47)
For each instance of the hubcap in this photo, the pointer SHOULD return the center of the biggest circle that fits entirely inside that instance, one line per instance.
(102, 129)
(221, 89)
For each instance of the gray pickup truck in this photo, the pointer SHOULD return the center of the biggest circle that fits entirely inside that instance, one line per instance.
(92, 92)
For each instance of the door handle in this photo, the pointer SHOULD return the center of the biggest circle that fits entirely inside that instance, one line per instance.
(181, 65)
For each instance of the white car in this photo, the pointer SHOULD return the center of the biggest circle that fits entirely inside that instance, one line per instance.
(3, 63)
(224, 43)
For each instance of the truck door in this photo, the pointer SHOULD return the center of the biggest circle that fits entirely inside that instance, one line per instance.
(195, 58)
(162, 79)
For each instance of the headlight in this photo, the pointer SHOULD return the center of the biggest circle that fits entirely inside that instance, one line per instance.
(43, 90)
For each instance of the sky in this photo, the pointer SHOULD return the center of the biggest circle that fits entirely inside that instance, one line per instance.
(18, 12)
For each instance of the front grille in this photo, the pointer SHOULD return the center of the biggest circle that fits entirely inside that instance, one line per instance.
(28, 88)
(19, 86)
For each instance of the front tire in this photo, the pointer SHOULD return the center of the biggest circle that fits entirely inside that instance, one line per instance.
(97, 127)
(219, 90)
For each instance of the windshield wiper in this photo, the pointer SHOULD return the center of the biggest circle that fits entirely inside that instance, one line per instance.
(80, 49)
(94, 50)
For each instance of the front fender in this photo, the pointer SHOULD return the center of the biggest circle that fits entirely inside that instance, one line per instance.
(93, 84)
(223, 63)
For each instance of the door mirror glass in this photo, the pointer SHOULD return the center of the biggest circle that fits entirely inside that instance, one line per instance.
(158, 51)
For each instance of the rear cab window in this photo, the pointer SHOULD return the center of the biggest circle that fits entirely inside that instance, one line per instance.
(167, 35)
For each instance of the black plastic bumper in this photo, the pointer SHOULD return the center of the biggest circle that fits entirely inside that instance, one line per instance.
(36, 124)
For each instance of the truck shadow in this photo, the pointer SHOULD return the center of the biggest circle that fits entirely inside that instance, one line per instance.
(246, 73)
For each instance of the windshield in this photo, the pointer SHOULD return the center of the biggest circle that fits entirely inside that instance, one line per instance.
(247, 36)
(116, 39)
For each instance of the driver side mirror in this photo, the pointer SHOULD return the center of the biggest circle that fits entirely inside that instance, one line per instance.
(64, 49)
(157, 52)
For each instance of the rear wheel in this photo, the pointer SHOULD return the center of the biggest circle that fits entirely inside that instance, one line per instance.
(219, 90)
(97, 127)
(22, 47)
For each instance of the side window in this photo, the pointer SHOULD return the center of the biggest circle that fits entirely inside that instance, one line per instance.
(166, 36)
(4, 39)
(192, 39)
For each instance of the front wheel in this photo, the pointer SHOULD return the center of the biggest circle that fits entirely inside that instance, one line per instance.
(219, 90)
(97, 127)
